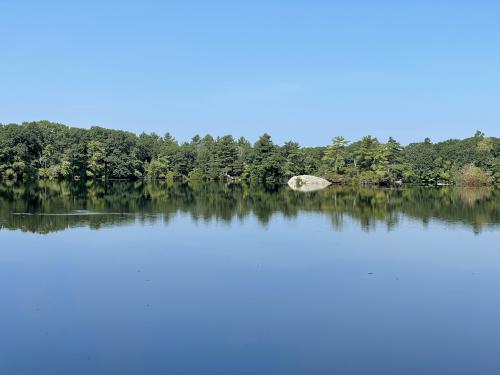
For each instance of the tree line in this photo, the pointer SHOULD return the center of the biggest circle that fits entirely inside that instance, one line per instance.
(49, 150)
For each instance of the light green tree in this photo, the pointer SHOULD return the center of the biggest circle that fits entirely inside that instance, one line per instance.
(96, 165)
(335, 154)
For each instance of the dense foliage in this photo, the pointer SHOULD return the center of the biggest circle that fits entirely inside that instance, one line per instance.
(54, 151)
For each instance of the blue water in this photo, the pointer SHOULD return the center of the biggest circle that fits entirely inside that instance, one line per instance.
(290, 296)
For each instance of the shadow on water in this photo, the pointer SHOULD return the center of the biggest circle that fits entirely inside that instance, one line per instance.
(46, 206)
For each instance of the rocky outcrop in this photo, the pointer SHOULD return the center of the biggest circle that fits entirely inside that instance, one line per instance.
(308, 183)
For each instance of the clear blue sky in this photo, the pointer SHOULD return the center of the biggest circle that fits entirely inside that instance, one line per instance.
(302, 70)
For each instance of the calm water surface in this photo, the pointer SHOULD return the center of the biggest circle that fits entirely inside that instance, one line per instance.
(134, 278)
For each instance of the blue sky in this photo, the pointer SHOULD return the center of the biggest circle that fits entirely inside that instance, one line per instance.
(302, 70)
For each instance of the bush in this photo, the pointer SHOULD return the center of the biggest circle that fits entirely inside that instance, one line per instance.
(470, 175)
(9, 174)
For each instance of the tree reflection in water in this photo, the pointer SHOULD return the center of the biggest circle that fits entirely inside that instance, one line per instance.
(46, 206)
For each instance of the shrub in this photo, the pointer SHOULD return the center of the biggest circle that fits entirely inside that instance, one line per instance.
(470, 175)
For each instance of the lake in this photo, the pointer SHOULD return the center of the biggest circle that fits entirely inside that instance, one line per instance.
(157, 278)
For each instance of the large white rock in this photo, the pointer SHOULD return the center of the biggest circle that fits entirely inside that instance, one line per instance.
(308, 183)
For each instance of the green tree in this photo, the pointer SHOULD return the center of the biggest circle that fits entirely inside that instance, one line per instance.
(335, 154)
(96, 166)
(157, 168)
(371, 160)
(294, 159)
(226, 157)
(267, 162)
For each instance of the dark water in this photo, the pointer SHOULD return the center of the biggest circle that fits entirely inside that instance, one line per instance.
(133, 278)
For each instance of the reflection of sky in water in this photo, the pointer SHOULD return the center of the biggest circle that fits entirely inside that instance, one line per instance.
(292, 296)
(337, 220)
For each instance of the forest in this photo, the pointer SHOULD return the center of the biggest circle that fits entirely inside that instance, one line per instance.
(47, 150)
